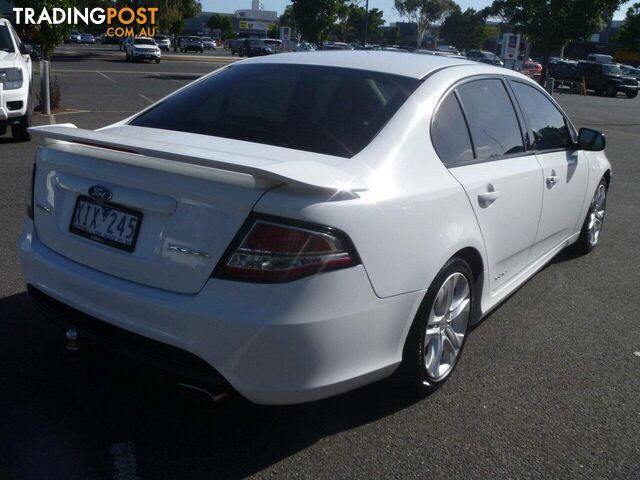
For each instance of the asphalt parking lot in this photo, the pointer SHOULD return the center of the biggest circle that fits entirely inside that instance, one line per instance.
(548, 387)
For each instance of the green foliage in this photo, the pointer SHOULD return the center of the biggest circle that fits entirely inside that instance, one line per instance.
(222, 23)
(465, 30)
(423, 13)
(357, 22)
(629, 34)
(45, 36)
(171, 13)
(274, 31)
(315, 18)
(551, 24)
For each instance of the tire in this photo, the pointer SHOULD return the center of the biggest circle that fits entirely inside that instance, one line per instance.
(436, 338)
(633, 94)
(3, 130)
(592, 226)
(157, 60)
(611, 90)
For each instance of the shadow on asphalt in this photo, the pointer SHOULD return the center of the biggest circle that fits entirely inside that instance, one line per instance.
(64, 417)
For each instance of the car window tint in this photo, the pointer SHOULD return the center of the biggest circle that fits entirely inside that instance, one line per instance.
(492, 120)
(335, 111)
(548, 124)
(5, 40)
(449, 133)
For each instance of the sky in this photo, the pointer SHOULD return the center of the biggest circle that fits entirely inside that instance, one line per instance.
(385, 5)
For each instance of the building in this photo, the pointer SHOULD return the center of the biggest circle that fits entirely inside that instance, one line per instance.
(247, 23)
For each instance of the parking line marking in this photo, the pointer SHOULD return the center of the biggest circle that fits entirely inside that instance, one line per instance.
(108, 78)
(146, 98)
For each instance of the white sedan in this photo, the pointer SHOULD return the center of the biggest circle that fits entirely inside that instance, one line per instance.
(299, 225)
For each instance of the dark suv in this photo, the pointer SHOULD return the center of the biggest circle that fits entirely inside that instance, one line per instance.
(606, 78)
(254, 47)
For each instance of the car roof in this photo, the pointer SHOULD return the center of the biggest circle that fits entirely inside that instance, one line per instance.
(398, 63)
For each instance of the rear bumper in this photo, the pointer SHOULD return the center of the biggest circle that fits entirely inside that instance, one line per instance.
(274, 344)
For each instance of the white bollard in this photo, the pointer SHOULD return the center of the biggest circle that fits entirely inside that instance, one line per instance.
(45, 98)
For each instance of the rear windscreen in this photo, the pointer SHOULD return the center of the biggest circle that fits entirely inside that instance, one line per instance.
(334, 111)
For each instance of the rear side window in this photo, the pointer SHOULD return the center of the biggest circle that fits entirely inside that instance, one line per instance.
(334, 111)
(548, 124)
(449, 133)
(494, 127)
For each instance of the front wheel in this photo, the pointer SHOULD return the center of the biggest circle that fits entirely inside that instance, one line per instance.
(437, 336)
(20, 131)
(592, 226)
(633, 94)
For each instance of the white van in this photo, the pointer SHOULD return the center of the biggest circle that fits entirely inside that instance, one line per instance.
(16, 104)
(600, 58)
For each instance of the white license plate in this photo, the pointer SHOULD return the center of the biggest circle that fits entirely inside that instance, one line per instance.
(111, 225)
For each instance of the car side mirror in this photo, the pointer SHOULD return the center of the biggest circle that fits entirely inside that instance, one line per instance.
(591, 140)
(26, 49)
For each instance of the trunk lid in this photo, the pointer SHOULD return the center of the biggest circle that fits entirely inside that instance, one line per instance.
(192, 199)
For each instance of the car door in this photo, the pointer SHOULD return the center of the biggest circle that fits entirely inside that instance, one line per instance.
(501, 178)
(566, 170)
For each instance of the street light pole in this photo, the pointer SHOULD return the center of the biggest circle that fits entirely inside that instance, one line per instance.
(366, 24)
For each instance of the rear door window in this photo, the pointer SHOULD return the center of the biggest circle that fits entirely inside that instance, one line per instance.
(492, 120)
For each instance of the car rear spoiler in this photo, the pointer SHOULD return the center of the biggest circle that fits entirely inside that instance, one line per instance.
(305, 173)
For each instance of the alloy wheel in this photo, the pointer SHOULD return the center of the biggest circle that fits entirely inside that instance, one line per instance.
(596, 215)
(447, 326)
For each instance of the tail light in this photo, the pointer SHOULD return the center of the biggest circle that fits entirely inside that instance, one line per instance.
(276, 251)
(31, 192)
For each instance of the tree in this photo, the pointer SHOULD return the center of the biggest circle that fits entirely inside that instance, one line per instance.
(629, 34)
(551, 24)
(47, 36)
(222, 23)
(315, 18)
(465, 30)
(274, 31)
(357, 22)
(423, 13)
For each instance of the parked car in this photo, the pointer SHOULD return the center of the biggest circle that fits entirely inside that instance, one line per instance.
(483, 56)
(141, 48)
(234, 46)
(208, 43)
(163, 42)
(308, 223)
(563, 71)
(274, 44)
(599, 58)
(606, 79)
(192, 44)
(73, 37)
(254, 47)
(305, 47)
(631, 72)
(87, 38)
(448, 49)
(531, 69)
(16, 100)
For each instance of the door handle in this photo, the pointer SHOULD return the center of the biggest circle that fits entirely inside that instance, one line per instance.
(487, 198)
(552, 179)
